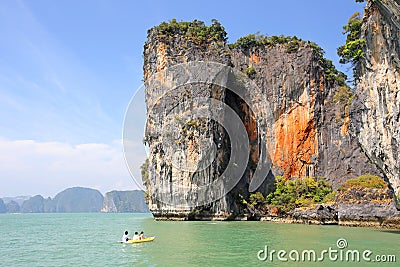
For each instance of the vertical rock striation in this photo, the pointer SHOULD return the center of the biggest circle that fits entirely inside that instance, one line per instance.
(376, 108)
(310, 131)
(169, 46)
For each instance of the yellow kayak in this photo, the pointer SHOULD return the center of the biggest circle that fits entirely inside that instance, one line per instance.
(147, 239)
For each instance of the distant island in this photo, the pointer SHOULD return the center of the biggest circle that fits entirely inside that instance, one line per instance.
(77, 199)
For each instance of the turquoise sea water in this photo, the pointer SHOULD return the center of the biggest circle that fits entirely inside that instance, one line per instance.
(92, 239)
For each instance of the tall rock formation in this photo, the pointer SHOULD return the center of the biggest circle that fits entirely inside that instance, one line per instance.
(3, 208)
(308, 131)
(124, 201)
(18, 199)
(168, 46)
(75, 199)
(36, 204)
(78, 199)
(376, 107)
(13, 207)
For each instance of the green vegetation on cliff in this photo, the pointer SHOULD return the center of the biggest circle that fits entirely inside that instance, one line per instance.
(353, 50)
(292, 193)
(250, 71)
(144, 170)
(292, 45)
(366, 189)
(292, 42)
(195, 30)
(343, 97)
(331, 73)
(256, 201)
(365, 181)
(289, 194)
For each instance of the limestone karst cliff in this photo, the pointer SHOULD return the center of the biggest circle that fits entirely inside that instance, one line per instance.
(79, 199)
(124, 201)
(375, 119)
(75, 199)
(307, 126)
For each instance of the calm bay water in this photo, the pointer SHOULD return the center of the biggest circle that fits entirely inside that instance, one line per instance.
(92, 240)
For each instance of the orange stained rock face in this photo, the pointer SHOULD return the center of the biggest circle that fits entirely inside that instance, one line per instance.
(192, 153)
(321, 84)
(162, 60)
(296, 141)
(250, 124)
(254, 58)
(345, 127)
(161, 57)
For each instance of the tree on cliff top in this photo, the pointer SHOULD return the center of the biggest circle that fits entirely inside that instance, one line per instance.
(195, 30)
(353, 50)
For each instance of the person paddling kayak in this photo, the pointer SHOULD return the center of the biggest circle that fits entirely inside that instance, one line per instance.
(141, 236)
(125, 237)
(135, 236)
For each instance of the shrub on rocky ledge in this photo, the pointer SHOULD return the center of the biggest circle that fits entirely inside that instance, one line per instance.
(250, 71)
(292, 193)
(366, 181)
(257, 201)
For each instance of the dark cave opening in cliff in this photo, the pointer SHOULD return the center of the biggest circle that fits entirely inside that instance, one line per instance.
(248, 118)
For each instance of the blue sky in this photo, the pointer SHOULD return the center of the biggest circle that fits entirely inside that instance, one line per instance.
(68, 70)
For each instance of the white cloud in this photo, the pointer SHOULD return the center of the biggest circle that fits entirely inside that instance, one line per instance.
(49, 92)
(31, 167)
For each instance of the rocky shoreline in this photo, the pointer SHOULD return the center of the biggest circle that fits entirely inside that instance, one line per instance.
(343, 215)
(357, 207)
(362, 215)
